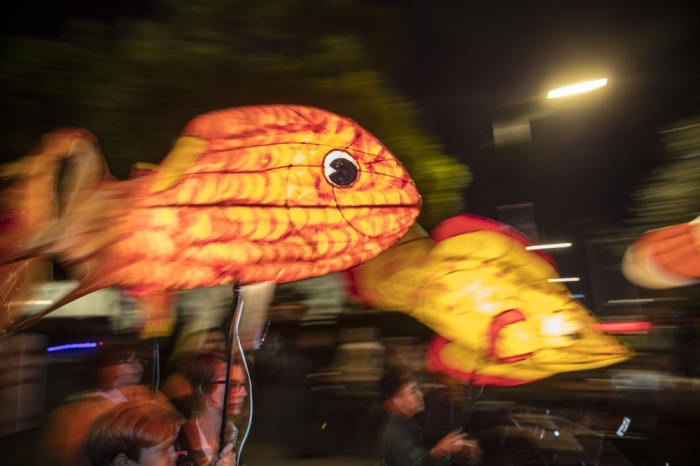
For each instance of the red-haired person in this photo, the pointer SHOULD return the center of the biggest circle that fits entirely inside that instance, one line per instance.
(134, 433)
(116, 373)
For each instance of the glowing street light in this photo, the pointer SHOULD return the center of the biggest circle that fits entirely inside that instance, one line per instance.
(577, 88)
(548, 246)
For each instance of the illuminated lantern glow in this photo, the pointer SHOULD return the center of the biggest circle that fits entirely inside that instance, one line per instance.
(27, 204)
(498, 319)
(252, 194)
(668, 257)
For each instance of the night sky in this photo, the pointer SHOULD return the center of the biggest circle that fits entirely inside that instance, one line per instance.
(476, 63)
(473, 64)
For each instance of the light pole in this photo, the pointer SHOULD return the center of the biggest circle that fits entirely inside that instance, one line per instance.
(512, 131)
(516, 129)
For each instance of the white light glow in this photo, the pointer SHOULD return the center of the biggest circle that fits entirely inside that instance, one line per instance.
(548, 246)
(560, 280)
(624, 426)
(630, 301)
(577, 88)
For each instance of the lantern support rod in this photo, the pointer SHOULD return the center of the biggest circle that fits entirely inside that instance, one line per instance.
(232, 342)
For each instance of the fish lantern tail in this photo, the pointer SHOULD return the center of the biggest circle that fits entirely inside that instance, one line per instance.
(157, 312)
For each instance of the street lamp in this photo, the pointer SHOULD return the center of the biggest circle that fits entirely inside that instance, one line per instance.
(516, 129)
(577, 88)
(548, 246)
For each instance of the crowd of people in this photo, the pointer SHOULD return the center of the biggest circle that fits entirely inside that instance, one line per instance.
(120, 422)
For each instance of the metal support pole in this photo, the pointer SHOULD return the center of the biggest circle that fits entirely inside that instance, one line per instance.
(232, 336)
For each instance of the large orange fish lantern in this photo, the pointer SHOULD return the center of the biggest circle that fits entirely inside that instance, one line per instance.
(499, 318)
(268, 193)
(667, 257)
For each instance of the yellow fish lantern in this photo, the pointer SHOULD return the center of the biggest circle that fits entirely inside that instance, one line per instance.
(668, 257)
(254, 194)
(499, 319)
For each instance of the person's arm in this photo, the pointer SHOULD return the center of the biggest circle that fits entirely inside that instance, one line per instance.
(405, 449)
(455, 443)
(449, 444)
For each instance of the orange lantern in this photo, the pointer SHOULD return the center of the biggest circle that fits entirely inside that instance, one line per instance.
(270, 193)
(665, 258)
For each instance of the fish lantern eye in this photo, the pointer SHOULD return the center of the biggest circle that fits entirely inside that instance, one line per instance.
(340, 168)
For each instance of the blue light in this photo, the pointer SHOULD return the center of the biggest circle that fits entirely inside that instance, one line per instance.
(623, 427)
(51, 349)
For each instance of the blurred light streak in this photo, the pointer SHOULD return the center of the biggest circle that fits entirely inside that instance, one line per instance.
(578, 296)
(630, 301)
(511, 132)
(561, 280)
(52, 349)
(548, 246)
(577, 88)
(624, 327)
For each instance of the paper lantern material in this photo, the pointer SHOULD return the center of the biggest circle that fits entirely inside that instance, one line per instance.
(668, 257)
(498, 319)
(253, 194)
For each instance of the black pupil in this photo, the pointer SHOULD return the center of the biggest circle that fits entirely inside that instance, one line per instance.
(345, 172)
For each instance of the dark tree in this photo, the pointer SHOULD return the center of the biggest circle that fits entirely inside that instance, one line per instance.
(135, 82)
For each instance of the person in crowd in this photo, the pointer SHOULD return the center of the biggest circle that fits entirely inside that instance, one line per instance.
(206, 373)
(116, 372)
(176, 386)
(139, 434)
(402, 437)
(134, 433)
(445, 411)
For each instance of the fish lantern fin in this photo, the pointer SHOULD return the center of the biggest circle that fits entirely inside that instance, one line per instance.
(157, 312)
(363, 273)
(186, 151)
(468, 223)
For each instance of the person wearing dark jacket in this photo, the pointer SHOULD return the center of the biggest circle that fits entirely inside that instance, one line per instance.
(402, 437)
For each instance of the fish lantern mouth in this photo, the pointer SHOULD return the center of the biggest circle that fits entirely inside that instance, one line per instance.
(376, 197)
(503, 320)
(557, 332)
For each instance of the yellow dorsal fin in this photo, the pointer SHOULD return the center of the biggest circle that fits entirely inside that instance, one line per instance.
(187, 149)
